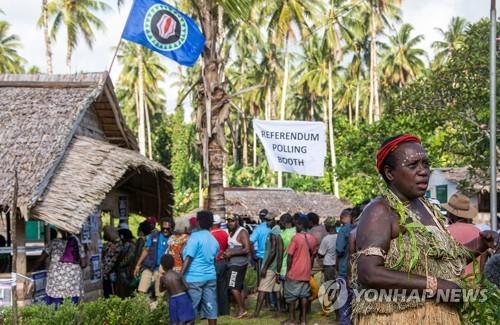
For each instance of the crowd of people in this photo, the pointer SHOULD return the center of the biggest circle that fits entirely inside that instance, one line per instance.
(399, 240)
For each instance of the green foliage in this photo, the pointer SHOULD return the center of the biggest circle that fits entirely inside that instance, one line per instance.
(112, 311)
(10, 60)
(481, 311)
(175, 148)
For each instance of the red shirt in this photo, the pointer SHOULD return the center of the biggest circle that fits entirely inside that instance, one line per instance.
(464, 233)
(222, 237)
(300, 269)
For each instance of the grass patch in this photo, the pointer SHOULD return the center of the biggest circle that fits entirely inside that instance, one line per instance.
(267, 317)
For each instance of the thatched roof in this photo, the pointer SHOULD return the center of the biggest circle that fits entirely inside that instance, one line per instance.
(249, 201)
(39, 115)
(477, 182)
(89, 170)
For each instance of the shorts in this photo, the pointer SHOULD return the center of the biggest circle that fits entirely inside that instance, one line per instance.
(181, 308)
(268, 284)
(147, 277)
(236, 276)
(204, 298)
(295, 290)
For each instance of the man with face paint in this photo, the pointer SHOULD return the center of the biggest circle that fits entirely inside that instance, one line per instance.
(402, 243)
(149, 261)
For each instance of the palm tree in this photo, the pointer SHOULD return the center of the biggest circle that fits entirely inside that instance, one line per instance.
(358, 44)
(79, 18)
(246, 37)
(285, 14)
(139, 89)
(453, 39)
(10, 60)
(381, 12)
(403, 60)
(43, 22)
(311, 76)
(212, 108)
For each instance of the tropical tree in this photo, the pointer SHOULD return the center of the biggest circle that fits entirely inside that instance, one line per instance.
(358, 45)
(78, 17)
(285, 14)
(10, 60)
(43, 22)
(403, 60)
(246, 40)
(139, 90)
(453, 39)
(381, 13)
(213, 106)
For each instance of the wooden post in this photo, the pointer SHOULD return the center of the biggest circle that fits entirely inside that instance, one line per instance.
(13, 216)
(158, 194)
(21, 262)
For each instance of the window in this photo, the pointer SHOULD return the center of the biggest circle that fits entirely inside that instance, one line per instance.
(34, 230)
(442, 193)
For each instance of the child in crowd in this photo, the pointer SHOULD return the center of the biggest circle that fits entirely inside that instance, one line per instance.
(180, 306)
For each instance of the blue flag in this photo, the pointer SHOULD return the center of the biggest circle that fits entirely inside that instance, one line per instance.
(164, 29)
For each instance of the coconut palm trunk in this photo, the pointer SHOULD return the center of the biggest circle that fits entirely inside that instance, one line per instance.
(48, 43)
(69, 54)
(283, 98)
(148, 129)
(374, 107)
(244, 139)
(254, 160)
(285, 81)
(330, 131)
(214, 105)
(356, 107)
(142, 110)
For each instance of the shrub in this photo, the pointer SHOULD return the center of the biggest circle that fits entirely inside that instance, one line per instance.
(112, 311)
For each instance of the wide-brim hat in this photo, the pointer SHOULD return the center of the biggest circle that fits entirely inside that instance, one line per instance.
(459, 205)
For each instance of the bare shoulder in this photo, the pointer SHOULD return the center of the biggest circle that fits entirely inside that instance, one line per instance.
(376, 212)
(377, 225)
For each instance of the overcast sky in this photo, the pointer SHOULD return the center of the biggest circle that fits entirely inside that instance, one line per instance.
(424, 15)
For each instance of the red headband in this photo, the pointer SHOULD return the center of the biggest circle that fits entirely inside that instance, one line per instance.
(392, 145)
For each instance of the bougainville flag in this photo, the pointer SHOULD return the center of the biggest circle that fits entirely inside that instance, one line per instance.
(164, 29)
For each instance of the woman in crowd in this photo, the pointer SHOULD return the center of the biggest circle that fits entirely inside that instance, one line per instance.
(125, 263)
(402, 243)
(176, 244)
(110, 252)
(67, 259)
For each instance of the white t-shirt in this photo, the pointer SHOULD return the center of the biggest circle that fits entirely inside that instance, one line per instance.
(327, 248)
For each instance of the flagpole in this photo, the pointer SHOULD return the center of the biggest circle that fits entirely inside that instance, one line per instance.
(114, 55)
(121, 38)
(493, 135)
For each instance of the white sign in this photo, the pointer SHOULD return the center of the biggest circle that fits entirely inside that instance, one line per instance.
(293, 146)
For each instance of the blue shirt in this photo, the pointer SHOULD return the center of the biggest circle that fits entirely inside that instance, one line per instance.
(161, 248)
(342, 248)
(259, 237)
(202, 247)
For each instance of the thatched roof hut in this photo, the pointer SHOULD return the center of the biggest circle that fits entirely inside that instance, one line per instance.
(249, 201)
(66, 137)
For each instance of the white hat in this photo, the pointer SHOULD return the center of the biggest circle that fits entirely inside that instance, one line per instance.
(217, 219)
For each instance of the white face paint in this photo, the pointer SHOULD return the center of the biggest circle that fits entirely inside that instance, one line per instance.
(413, 157)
